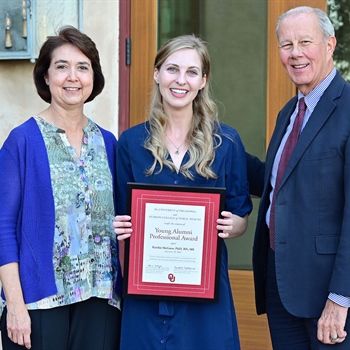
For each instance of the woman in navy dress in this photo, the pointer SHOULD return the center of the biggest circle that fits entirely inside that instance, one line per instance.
(183, 144)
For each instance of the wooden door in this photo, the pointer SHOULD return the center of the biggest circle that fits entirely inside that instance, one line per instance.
(144, 43)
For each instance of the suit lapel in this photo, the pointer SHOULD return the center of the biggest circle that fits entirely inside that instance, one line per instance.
(280, 129)
(318, 118)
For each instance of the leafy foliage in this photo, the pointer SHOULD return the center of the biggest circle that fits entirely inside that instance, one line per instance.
(339, 14)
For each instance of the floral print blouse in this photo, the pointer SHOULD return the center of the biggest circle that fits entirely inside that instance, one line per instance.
(85, 249)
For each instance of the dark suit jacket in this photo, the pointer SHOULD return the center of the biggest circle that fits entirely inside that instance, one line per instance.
(312, 208)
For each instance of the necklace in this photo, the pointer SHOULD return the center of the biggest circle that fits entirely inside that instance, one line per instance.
(177, 148)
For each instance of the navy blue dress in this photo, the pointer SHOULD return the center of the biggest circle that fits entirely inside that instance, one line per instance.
(174, 325)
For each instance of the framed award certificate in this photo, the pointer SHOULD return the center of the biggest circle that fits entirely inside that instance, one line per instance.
(174, 251)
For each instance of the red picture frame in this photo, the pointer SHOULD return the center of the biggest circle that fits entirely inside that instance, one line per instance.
(174, 251)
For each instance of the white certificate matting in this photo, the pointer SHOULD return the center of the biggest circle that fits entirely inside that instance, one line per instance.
(173, 243)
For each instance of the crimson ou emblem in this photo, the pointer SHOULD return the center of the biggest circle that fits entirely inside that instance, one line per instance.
(171, 277)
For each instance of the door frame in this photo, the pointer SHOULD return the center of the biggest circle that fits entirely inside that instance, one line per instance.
(124, 66)
(144, 47)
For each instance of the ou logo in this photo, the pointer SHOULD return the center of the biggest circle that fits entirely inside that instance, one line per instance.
(171, 277)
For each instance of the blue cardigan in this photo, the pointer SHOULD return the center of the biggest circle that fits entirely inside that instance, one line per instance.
(27, 212)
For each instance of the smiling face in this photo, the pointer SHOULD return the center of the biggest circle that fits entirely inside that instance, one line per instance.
(305, 54)
(70, 77)
(180, 78)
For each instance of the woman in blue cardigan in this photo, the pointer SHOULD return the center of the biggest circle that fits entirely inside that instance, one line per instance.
(59, 263)
(183, 144)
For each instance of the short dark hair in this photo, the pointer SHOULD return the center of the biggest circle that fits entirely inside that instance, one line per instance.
(67, 35)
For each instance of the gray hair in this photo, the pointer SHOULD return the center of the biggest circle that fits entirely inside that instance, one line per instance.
(323, 19)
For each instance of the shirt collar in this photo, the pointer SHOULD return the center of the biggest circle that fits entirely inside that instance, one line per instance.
(312, 98)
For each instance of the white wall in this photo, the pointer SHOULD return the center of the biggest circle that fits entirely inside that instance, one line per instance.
(18, 97)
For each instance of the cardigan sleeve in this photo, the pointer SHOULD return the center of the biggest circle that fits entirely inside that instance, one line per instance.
(10, 199)
(111, 150)
(124, 173)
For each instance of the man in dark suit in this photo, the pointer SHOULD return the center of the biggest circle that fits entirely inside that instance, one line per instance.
(301, 255)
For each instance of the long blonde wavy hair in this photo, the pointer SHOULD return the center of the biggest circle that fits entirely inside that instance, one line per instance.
(202, 137)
